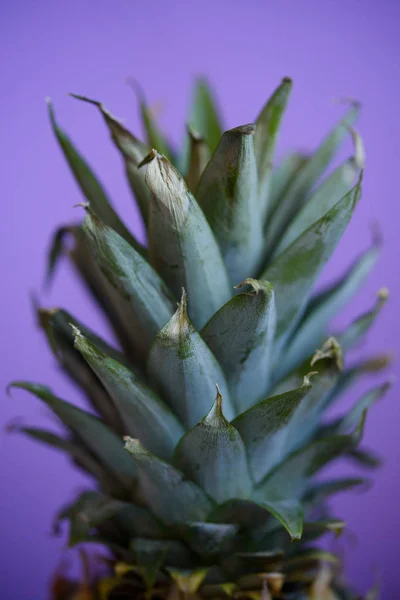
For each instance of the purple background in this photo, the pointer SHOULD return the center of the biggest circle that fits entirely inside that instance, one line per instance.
(331, 48)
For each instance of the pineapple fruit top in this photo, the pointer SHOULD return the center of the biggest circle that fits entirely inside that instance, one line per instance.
(211, 425)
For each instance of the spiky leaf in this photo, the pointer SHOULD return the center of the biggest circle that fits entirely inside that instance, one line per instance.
(213, 455)
(133, 152)
(240, 335)
(101, 440)
(89, 184)
(138, 284)
(295, 271)
(265, 139)
(165, 490)
(264, 428)
(144, 415)
(228, 195)
(182, 247)
(185, 371)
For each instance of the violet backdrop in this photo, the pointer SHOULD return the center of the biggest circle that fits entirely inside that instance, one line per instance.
(331, 48)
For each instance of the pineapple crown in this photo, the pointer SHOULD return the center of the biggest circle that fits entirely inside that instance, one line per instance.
(209, 431)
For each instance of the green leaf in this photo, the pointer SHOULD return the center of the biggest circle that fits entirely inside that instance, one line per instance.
(213, 455)
(199, 155)
(252, 515)
(165, 490)
(352, 374)
(101, 440)
(316, 529)
(264, 429)
(80, 455)
(151, 555)
(155, 138)
(354, 332)
(265, 139)
(365, 458)
(289, 479)
(132, 151)
(148, 298)
(182, 247)
(240, 335)
(89, 184)
(319, 492)
(228, 196)
(323, 307)
(88, 511)
(295, 271)
(328, 363)
(104, 294)
(92, 509)
(288, 512)
(334, 187)
(204, 114)
(306, 178)
(185, 371)
(282, 176)
(348, 421)
(56, 324)
(144, 415)
(208, 539)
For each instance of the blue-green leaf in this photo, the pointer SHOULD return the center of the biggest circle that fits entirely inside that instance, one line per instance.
(360, 326)
(289, 479)
(204, 113)
(145, 294)
(132, 151)
(213, 455)
(165, 490)
(325, 196)
(72, 447)
(348, 421)
(199, 155)
(155, 138)
(323, 307)
(265, 139)
(208, 539)
(185, 371)
(144, 415)
(295, 271)
(228, 196)
(264, 429)
(241, 335)
(182, 247)
(282, 176)
(89, 184)
(306, 178)
(91, 509)
(101, 440)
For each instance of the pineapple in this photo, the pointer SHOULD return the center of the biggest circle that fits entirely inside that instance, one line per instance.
(209, 434)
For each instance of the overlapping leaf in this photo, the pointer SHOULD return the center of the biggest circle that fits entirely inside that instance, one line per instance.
(166, 491)
(182, 247)
(101, 440)
(265, 139)
(295, 271)
(185, 371)
(138, 284)
(144, 415)
(228, 196)
(241, 335)
(133, 152)
(213, 455)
